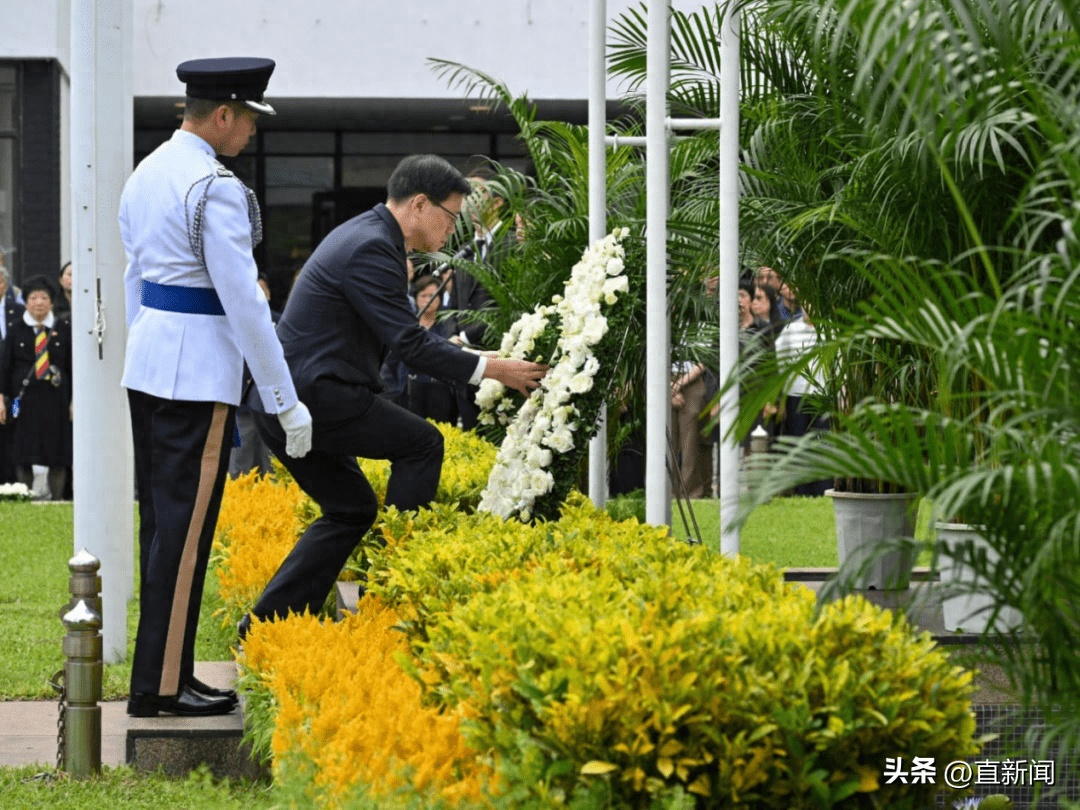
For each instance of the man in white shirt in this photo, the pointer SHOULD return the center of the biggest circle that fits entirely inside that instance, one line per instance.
(796, 339)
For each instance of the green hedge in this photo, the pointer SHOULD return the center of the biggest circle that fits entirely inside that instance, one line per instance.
(601, 658)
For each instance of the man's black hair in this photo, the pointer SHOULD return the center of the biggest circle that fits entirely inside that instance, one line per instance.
(199, 109)
(429, 175)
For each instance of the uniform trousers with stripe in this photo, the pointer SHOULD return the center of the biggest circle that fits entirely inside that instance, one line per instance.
(181, 460)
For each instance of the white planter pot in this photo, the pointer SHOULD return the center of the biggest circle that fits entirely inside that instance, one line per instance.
(969, 612)
(863, 521)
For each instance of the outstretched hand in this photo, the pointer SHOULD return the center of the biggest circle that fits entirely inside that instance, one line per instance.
(521, 375)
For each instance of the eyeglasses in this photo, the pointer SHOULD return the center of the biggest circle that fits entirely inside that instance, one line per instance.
(453, 216)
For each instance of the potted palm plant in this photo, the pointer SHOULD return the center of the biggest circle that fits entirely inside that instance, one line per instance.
(994, 445)
(914, 166)
(865, 136)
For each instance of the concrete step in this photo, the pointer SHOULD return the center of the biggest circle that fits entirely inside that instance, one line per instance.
(177, 745)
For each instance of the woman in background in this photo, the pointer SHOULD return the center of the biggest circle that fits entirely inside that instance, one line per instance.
(35, 388)
(62, 305)
(429, 397)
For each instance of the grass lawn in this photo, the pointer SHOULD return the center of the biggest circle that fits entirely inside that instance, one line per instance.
(123, 789)
(38, 541)
(791, 532)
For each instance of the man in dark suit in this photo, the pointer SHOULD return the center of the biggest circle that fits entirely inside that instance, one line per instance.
(348, 307)
(11, 311)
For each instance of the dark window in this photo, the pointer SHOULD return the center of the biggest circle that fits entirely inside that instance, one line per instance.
(310, 181)
(9, 118)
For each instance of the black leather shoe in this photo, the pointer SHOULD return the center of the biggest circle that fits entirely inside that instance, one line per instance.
(186, 703)
(206, 690)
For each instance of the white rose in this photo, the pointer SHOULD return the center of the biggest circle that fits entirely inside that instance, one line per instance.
(560, 440)
(594, 330)
(581, 383)
(613, 286)
(538, 457)
(540, 481)
(614, 267)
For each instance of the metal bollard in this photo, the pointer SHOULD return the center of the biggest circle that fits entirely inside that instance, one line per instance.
(85, 584)
(83, 670)
(759, 440)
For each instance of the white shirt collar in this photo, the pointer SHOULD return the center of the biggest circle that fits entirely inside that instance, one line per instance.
(191, 139)
(28, 319)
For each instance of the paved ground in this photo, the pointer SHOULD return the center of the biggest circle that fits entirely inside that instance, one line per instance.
(28, 727)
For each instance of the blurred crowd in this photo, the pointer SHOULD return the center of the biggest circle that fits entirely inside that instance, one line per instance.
(772, 321)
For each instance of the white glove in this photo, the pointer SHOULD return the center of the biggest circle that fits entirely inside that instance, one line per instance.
(296, 423)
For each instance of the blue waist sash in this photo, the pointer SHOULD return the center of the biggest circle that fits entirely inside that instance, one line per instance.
(187, 300)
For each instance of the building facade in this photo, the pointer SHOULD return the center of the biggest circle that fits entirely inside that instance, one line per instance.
(354, 88)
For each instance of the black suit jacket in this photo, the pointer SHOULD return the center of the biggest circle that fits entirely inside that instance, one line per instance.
(347, 308)
(468, 293)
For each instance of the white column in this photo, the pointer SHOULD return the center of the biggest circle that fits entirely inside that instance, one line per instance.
(598, 468)
(728, 286)
(657, 325)
(101, 154)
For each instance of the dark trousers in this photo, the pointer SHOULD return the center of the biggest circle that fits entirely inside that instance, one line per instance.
(181, 457)
(468, 410)
(433, 399)
(799, 422)
(331, 476)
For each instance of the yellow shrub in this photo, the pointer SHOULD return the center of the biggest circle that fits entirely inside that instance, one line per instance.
(610, 650)
(344, 706)
(256, 529)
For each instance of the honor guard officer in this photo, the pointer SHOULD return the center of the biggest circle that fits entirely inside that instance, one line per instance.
(195, 314)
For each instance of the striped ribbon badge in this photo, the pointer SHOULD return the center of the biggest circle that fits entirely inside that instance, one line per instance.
(41, 352)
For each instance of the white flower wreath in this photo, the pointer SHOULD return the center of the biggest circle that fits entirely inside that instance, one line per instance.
(546, 423)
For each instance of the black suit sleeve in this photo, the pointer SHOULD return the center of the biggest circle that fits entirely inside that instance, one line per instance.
(6, 361)
(377, 290)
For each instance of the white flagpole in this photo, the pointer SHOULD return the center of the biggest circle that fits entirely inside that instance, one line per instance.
(598, 468)
(657, 325)
(101, 155)
(728, 285)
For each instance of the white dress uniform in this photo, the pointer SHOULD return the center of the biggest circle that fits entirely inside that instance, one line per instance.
(186, 221)
(195, 313)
